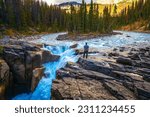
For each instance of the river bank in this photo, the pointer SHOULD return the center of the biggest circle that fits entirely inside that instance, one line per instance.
(119, 73)
(79, 37)
(117, 68)
(141, 26)
(21, 67)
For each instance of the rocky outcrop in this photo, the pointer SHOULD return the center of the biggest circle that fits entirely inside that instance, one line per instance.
(37, 75)
(25, 63)
(124, 61)
(123, 76)
(47, 56)
(5, 79)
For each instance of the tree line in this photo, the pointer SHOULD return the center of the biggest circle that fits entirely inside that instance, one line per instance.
(22, 14)
(139, 10)
(84, 20)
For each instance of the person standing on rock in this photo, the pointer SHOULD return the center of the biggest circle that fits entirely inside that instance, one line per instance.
(86, 50)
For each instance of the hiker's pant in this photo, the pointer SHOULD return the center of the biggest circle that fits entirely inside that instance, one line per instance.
(85, 54)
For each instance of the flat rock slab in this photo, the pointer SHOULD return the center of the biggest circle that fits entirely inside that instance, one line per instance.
(118, 90)
(70, 88)
(142, 90)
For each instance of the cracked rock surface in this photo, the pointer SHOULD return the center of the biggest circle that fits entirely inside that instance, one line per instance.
(122, 73)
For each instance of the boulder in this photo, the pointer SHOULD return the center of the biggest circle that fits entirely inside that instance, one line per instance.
(74, 46)
(48, 57)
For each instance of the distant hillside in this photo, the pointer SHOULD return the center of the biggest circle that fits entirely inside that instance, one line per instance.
(139, 26)
(120, 5)
(74, 3)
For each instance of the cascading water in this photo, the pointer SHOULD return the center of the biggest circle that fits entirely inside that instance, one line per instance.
(43, 90)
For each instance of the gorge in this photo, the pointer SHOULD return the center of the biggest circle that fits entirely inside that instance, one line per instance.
(117, 68)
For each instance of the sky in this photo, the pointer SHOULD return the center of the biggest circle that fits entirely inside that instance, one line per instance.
(99, 1)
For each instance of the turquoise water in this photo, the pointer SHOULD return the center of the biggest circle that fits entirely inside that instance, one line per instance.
(61, 48)
(43, 90)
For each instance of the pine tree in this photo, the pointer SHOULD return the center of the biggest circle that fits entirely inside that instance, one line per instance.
(85, 18)
(106, 20)
(91, 17)
(115, 10)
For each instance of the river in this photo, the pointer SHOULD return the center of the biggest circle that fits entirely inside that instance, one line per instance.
(43, 90)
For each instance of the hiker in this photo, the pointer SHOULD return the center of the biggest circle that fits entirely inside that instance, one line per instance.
(86, 50)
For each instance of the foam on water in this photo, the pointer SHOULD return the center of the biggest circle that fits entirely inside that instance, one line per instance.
(43, 90)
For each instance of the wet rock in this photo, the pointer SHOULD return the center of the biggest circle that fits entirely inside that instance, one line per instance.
(63, 37)
(38, 73)
(124, 61)
(128, 36)
(115, 49)
(48, 57)
(74, 46)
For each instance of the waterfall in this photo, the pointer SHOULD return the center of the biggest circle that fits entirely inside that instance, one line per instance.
(43, 90)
